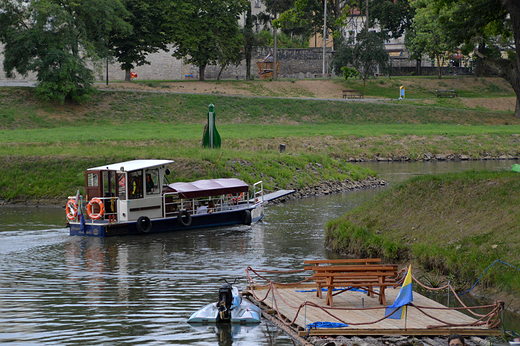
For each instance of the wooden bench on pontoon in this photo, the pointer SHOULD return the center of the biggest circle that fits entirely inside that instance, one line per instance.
(347, 274)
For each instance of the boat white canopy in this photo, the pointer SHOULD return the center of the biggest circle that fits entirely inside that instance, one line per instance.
(131, 165)
(209, 187)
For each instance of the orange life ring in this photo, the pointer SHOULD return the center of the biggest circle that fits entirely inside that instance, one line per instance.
(92, 215)
(72, 209)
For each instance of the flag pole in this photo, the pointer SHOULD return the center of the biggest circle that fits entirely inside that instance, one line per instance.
(405, 316)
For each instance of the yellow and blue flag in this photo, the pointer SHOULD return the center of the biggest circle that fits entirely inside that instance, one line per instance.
(398, 308)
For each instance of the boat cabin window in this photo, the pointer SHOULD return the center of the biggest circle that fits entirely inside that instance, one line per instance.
(121, 188)
(135, 184)
(152, 181)
(109, 184)
(92, 180)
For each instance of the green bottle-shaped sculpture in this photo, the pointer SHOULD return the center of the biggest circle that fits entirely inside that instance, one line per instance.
(211, 138)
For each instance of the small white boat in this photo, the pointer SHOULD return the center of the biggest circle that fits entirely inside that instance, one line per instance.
(135, 197)
(230, 307)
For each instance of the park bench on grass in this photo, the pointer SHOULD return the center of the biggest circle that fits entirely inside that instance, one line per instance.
(347, 274)
(352, 94)
(322, 75)
(446, 93)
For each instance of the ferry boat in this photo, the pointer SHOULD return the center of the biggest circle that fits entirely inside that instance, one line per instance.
(135, 197)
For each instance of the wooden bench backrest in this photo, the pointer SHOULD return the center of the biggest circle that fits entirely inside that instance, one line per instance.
(354, 275)
(353, 267)
(344, 261)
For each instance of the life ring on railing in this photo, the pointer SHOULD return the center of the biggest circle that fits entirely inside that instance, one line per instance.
(184, 218)
(72, 209)
(93, 215)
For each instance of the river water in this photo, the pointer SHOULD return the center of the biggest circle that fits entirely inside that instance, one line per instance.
(140, 290)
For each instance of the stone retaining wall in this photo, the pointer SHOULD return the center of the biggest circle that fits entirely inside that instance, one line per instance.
(328, 187)
(436, 157)
(295, 63)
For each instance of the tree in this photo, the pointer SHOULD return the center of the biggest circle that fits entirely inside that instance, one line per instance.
(349, 72)
(296, 18)
(476, 20)
(149, 34)
(394, 17)
(416, 48)
(206, 32)
(428, 35)
(309, 14)
(366, 55)
(56, 39)
(231, 52)
(249, 41)
(473, 25)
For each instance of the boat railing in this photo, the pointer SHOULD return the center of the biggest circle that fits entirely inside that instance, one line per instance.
(258, 192)
(108, 205)
(172, 204)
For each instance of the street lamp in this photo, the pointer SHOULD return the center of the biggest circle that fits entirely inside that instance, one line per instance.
(324, 33)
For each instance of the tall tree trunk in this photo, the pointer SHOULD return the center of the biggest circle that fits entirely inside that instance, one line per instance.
(128, 75)
(439, 68)
(517, 107)
(248, 46)
(220, 72)
(336, 41)
(479, 64)
(202, 68)
(507, 69)
(513, 7)
(418, 70)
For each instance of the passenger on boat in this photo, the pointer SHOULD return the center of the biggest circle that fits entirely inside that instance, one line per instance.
(149, 183)
(456, 340)
(202, 209)
(211, 207)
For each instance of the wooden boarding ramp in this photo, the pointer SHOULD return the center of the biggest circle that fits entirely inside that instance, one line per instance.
(298, 305)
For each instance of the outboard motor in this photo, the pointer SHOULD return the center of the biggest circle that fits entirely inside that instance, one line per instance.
(225, 299)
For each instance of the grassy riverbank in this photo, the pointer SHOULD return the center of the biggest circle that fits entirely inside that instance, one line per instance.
(45, 148)
(459, 225)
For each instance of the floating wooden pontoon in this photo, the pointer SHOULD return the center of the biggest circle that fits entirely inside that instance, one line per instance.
(297, 306)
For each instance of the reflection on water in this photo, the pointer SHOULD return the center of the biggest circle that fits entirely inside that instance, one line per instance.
(140, 290)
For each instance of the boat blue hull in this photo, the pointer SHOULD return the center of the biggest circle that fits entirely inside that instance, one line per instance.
(106, 229)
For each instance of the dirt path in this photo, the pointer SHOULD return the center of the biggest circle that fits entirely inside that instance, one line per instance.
(322, 89)
(302, 88)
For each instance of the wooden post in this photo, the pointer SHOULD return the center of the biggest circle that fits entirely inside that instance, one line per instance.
(305, 317)
(405, 315)
(448, 294)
